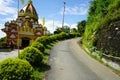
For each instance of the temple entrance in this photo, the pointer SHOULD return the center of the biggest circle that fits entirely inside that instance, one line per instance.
(25, 42)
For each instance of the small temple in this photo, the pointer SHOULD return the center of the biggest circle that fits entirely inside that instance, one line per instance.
(25, 29)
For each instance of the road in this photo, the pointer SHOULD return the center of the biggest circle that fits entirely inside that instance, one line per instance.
(5, 55)
(69, 62)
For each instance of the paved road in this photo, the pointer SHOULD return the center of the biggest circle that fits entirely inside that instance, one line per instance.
(5, 55)
(69, 62)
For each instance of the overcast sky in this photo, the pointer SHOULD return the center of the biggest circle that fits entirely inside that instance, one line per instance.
(76, 10)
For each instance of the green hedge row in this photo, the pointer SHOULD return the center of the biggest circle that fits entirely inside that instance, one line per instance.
(22, 68)
(45, 40)
(15, 69)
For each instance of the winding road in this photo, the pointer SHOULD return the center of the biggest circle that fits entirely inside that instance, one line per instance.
(69, 62)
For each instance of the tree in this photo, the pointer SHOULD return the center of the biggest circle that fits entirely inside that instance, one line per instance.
(58, 30)
(65, 29)
(2, 42)
(81, 27)
(2, 39)
(74, 30)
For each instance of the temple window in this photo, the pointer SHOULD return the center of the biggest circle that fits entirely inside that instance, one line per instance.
(22, 11)
(13, 30)
(6, 27)
(28, 11)
(12, 36)
(38, 33)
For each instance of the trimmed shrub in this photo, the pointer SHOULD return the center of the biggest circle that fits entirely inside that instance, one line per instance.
(15, 69)
(32, 55)
(53, 38)
(39, 46)
(75, 34)
(43, 40)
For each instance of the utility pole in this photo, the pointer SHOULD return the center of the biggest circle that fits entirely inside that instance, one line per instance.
(63, 15)
(18, 28)
(18, 7)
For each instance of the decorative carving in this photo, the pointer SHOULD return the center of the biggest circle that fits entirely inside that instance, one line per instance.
(12, 36)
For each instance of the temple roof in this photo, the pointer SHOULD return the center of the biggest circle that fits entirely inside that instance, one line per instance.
(28, 10)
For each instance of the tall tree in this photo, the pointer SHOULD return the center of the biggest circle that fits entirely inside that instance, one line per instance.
(81, 27)
(62, 29)
(74, 30)
(66, 29)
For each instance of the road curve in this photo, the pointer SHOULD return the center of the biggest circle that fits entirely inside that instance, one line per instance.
(69, 62)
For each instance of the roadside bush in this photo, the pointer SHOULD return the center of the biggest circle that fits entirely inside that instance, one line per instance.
(52, 38)
(15, 69)
(57, 37)
(32, 55)
(63, 35)
(43, 40)
(3, 45)
(39, 46)
(72, 35)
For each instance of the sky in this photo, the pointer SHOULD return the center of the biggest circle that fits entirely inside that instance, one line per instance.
(75, 11)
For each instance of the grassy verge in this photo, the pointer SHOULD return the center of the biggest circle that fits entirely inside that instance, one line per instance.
(99, 59)
(39, 72)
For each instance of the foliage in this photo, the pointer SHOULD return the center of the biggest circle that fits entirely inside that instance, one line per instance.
(44, 40)
(97, 13)
(65, 29)
(2, 42)
(74, 30)
(74, 34)
(3, 39)
(101, 14)
(15, 69)
(81, 27)
(39, 46)
(32, 55)
(58, 30)
(3, 45)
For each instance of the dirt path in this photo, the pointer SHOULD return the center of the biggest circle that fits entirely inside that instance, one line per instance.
(69, 62)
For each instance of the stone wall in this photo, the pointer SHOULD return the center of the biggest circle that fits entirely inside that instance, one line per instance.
(108, 39)
(111, 61)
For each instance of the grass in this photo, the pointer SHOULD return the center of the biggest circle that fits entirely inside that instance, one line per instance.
(39, 72)
(90, 54)
(99, 59)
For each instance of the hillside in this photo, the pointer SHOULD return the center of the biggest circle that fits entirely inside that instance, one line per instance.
(103, 27)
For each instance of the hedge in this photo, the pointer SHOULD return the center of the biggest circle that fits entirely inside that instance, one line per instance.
(32, 55)
(39, 46)
(15, 69)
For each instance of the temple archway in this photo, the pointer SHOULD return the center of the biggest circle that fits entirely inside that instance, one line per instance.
(25, 42)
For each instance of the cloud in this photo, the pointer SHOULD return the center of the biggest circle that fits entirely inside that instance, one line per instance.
(13, 17)
(49, 24)
(2, 34)
(76, 10)
(5, 7)
(73, 25)
(50, 27)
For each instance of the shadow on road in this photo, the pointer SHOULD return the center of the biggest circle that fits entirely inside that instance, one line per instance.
(43, 67)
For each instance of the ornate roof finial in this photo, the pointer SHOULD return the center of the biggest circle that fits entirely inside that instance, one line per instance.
(29, 1)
